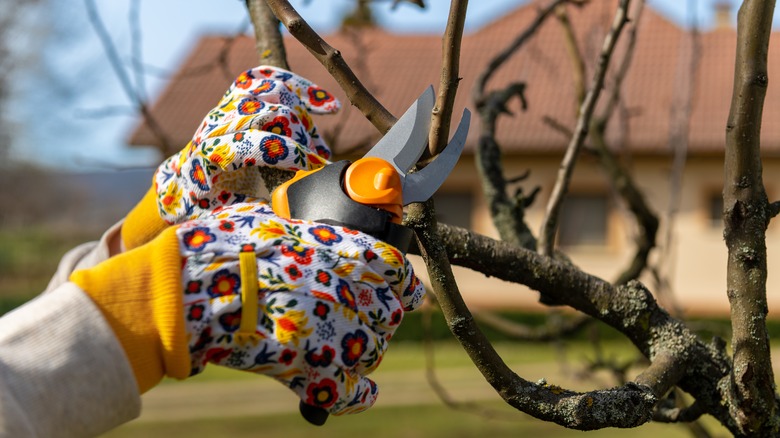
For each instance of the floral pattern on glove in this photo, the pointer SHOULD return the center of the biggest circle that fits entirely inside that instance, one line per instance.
(262, 120)
(330, 299)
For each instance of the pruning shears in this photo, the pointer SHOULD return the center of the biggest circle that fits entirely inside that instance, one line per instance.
(369, 194)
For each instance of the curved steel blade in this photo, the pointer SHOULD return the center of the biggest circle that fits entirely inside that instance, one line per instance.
(421, 185)
(405, 142)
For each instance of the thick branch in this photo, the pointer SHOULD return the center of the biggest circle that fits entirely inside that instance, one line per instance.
(746, 216)
(331, 58)
(547, 233)
(627, 406)
(630, 308)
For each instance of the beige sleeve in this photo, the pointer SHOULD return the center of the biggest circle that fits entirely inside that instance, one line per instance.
(62, 371)
(83, 256)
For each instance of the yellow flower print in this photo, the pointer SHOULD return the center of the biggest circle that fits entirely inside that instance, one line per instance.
(171, 198)
(292, 327)
(222, 156)
(390, 254)
(269, 230)
(344, 270)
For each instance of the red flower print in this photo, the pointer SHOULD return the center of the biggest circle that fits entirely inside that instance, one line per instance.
(250, 162)
(319, 97)
(248, 247)
(197, 238)
(244, 80)
(298, 253)
(323, 277)
(267, 72)
(370, 256)
(321, 310)
(224, 283)
(238, 136)
(196, 312)
(224, 197)
(279, 125)
(325, 235)
(287, 357)
(274, 149)
(249, 106)
(227, 226)
(293, 272)
(203, 203)
(323, 359)
(396, 317)
(193, 287)
(323, 394)
(353, 345)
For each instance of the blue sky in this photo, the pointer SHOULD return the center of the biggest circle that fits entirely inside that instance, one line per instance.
(84, 141)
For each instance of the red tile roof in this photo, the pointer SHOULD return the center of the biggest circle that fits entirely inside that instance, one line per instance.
(396, 68)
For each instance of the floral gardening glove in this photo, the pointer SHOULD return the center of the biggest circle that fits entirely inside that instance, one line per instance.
(262, 120)
(310, 305)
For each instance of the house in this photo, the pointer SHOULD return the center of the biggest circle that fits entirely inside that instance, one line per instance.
(596, 230)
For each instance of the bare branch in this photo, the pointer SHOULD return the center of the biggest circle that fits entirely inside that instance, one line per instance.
(746, 216)
(334, 62)
(269, 42)
(630, 308)
(448, 84)
(547, 233)
(116, 64)
(627, 406)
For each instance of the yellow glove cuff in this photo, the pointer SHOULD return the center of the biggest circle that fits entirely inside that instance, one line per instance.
(140, 295)
(143, 223)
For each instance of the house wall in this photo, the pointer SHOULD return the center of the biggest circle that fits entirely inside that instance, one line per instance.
(695, 261)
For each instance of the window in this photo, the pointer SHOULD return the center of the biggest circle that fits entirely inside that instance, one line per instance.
(454, 209)
(583, 220)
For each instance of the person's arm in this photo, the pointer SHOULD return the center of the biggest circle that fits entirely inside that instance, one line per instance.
(62, 371)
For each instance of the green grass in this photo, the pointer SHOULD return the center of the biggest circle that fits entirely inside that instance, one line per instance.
(433, 421)
(28, 259)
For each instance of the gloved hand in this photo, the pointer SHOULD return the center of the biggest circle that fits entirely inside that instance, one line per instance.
(262, 120)
(310, 305)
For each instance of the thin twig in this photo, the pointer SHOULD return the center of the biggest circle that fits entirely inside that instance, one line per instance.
(124, 80)
(449, 79)
(547, 233)
(331, 58)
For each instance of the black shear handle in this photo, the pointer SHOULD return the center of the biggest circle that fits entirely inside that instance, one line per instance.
(313, 414)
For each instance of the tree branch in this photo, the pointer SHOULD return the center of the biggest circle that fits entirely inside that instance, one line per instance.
(448, 84)
(331, 58)
(550, 225)
(626, 406)
(629, 308)
(269, 42)
(746, 216)
(270, 51)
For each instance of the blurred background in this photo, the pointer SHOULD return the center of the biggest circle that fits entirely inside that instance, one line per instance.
(73, 77)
